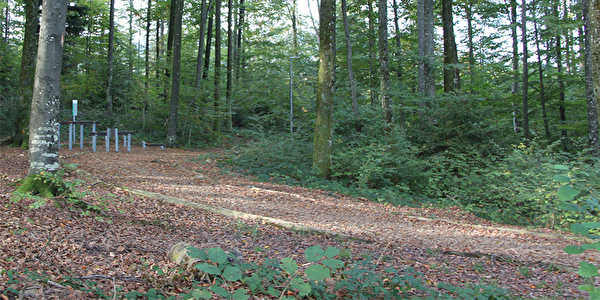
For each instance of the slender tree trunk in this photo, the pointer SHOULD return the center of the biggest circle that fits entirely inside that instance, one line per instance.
(45, 105)
(27, 72)
(147, 61)
(131, 44)
(372, 73)
(203, 19)
(469, 16)
(515, 63)
(111, 42)
(561, 85)
(323, 137)
(238, 47)
(177, 10)
(294, 27)
(230, 67)
(384, 63)
(542, 86)
(451, 73)
(349, 59)
(217, 78)
(591, 14)
(209, 37)
(398, 52)
(525, 72)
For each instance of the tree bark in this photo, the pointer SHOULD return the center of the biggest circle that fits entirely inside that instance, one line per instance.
(217, 78)
(525, 71)
(45, 104)
(209, 37)
(111, 41)
(177, 10)
(372, 73)
(323, 137)
(451, 70)
(515, 63)
(351, 79)
(425, 47)
(203, 19)
(561, 84)
(230, 66)
(384, 63)
(27, 75)
(542, 85)
(592, 69)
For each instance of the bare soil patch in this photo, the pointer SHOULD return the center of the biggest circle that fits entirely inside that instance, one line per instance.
(120, 245)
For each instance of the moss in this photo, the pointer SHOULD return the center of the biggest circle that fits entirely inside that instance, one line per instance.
(41, 186)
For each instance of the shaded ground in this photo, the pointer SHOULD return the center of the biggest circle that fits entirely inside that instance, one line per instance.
(133, 233)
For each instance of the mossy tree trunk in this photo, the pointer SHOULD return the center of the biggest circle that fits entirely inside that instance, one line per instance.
(323, 139)
(43, 124)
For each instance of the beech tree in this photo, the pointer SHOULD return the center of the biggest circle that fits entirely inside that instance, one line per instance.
(384, 63)
(45, 104)
(175, 32)
(591, 15)
(323, 136)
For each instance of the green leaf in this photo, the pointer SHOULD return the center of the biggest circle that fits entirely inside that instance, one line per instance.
(194, 252)
(314, 253)
(569, 206)
(289, 265)
(591, 225)
(595, 246)
(577, 228)
(572, 249)
(586, 288)
(208, 268)
(240, 294)
(567, 193)
(587, 270)
(562, 178)
(217, 255)
(333, 263)
(232, 273)
(302, 287)
(317, 272)
(199, 293)
(331, 252)
(220, 291)
(561, 167)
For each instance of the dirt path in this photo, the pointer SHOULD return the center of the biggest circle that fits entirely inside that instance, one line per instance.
(194, 176)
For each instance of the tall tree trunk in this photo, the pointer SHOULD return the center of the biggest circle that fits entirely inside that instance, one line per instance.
(398, 52)
(203, 19)
(561, 84)
(131, 43)
(147, 61)
(175, 36)
(111, 42)
(294, 27)
(542, 86)
(469, 16)
(372, 73)
(525, 72)
(230, 67)
(426, 83)
(349, 59)
(323, 137)
(27, 75)
(238, 47)
(591, 15)
(209, 37)
(451, 73)
(217, 78)
(384, 63)
(515, 63)
(45, 105)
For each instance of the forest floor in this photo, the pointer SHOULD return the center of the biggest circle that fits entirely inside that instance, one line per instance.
(132, 233)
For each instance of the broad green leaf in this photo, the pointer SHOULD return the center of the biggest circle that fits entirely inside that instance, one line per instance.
(314, 253)
(572, 249)
(561, 167)
(302, 287)
(595, 246)
(562, 178)
(232, 273)
(587, 270)
(289, 265)
(569, 206)
(586, 288)
(331, 252)
(567, 193)
(240, 294)
(199, 293)
(208, 268)
(591, 225)
(333, 263)
(197, 253)
(220, 291)
(317, 272)
(577, 228)
(217, 255)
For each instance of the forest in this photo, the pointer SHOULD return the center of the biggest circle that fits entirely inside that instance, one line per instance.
(489, 106)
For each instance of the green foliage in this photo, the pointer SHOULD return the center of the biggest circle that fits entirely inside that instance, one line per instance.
(588, 210)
